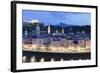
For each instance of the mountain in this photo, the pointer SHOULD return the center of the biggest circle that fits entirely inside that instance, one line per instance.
(63, 24)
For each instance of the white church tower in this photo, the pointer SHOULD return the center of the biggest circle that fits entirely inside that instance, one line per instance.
(26, 33)
(49, 29)
(62, 31)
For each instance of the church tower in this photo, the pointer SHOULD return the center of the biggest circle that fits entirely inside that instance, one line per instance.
(49, 29)
(62, 31)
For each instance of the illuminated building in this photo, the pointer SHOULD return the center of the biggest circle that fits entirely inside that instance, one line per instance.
(56, 43)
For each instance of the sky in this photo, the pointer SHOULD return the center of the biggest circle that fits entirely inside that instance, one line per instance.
(54, 18)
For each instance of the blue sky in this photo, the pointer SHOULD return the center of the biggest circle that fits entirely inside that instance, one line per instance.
(54, 18)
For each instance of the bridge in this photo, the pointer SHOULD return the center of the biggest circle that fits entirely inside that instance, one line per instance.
(55, 56)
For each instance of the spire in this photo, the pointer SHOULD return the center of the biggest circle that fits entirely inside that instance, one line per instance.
(38, 29)
(26, 32)
(62, 31)
(56, 31)
(49, 29)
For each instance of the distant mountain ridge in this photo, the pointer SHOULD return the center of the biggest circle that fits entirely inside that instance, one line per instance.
(67, 27)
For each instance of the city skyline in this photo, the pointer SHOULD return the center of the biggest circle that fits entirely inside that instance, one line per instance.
(48, 36)
(53, 17)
